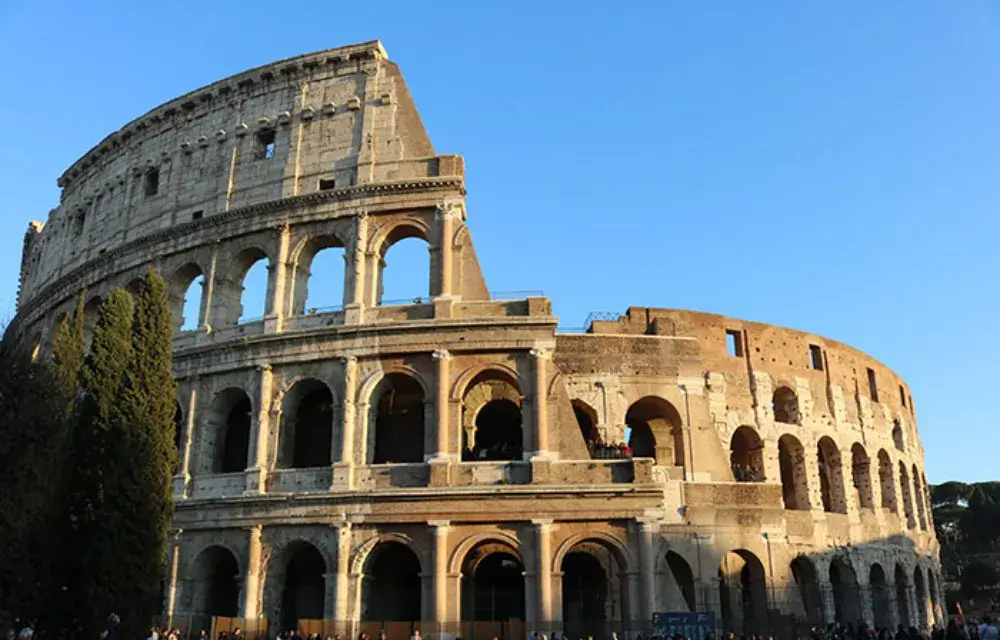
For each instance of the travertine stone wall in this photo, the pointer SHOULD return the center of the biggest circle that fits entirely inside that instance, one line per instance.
(194, 189)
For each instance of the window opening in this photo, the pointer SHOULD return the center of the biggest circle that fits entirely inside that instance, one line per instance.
(197, 214)
(902, 396)
(325, 184)
(872, 386)
(265, 144)
(734, 343)
(816, 356)
(151, 184)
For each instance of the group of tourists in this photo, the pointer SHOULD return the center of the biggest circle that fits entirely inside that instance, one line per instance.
(601, 451)
(745, 473)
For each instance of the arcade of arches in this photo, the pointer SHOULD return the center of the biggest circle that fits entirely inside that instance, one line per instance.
(592, 587)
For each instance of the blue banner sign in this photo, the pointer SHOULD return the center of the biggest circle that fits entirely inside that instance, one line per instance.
(696, 626)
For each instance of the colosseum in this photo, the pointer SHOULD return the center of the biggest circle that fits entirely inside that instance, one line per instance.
(456, 463)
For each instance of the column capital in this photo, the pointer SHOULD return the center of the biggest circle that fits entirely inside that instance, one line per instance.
(542, 523)
(650, 526)
(194, 378)
(450, 209)
(361, 214)
(439, 526)
(540, 353)
(255, 529)
(263, 368)
(347, 360)
(441, 354)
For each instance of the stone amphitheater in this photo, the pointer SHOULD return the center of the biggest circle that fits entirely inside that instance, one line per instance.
(456, 463)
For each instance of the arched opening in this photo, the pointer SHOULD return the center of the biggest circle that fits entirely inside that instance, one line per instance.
(792, 463)
(918, 496)
(399, 420)
(862, 476)
(492, 428)
(743, 592)
(936, 612)
(229, 417)
(897, 435)
(594, 588)
(240, 294)
(178, 434)
(904, 483)
(846, 601)
(902, 597)
(920, 593)
(586, 420)
(91, 312)
(306, 426)
(785, 405)
(746, 455)
(679, 584)
(493, 591)
(831, 476)
(304, 592)
(655, 431)
(391, 585)
(253, 302)
(185, 292)
(216, 583)
(885, 481)
(319, 276)
(406, 278)
(807, 581)
(881, 598)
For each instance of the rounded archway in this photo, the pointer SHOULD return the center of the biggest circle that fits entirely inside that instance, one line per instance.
(178, 434)
(920, 593)
(785, 405)
(492, 428)
(831, 476)
(904, 484)
(391, 584)
(846, 600)
(493, 595)
(655, 431)
(304, 592)
(861, 475)
(216, 583)
(807, 581)
(746, 455)
(306, 425)
(398, 420)
(743, 592)
(679, 584)
(792, 464)
(902, 596)
(228, 421)
(594, 590)
(881, 598)
(586, 420)
(885, 481)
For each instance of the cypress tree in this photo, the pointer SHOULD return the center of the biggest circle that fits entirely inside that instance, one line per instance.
(94, 476)
(68, 350)
(145, 414)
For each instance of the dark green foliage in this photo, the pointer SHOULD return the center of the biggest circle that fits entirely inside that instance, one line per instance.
(68, 351)
(980, 577)
(967, 522)
(32, 442)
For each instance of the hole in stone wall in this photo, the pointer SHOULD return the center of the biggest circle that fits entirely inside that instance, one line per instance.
(151, 183)
(872, 385)
(325, 184)
(734, 343)
(902, 396)
(264, 144)
(816, 357)
(197, 214)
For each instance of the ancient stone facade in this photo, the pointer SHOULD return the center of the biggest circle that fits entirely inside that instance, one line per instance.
(455, 459)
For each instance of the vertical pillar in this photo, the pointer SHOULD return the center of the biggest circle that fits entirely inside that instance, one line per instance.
(895, 619)
(647, 577)
(208, 288)
(439, 530)
(826, 597)
(182, 479)
(275, 313)
(173, 585)
(341, 605)
(355, 295)
(260, 434)
(343, 475)
(541, 406)
(447, 213)
(442, 380)
(543, 571)
(252, 584)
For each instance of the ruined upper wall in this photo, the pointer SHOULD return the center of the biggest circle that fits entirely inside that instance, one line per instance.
(328, 120)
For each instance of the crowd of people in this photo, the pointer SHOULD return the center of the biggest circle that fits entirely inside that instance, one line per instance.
(744, 473)
(601, 451)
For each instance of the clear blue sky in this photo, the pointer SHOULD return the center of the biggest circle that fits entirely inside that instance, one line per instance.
(826, 166)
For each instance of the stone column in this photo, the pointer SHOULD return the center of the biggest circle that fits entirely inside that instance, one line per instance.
(647, 576)
(442, 456)
(252, 583)
(826, 597)
(260, 434)
(543, 570)
(439, 530)
(355, 295)
(447, 213)
(173, 586)
(343, 476)
(182, 479)
(276, 287)
(341, 608)
(541, 405)
(894, 613)
(208, 286)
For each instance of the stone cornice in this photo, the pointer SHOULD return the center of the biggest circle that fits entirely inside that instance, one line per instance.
(62, 286)
(289, 67)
